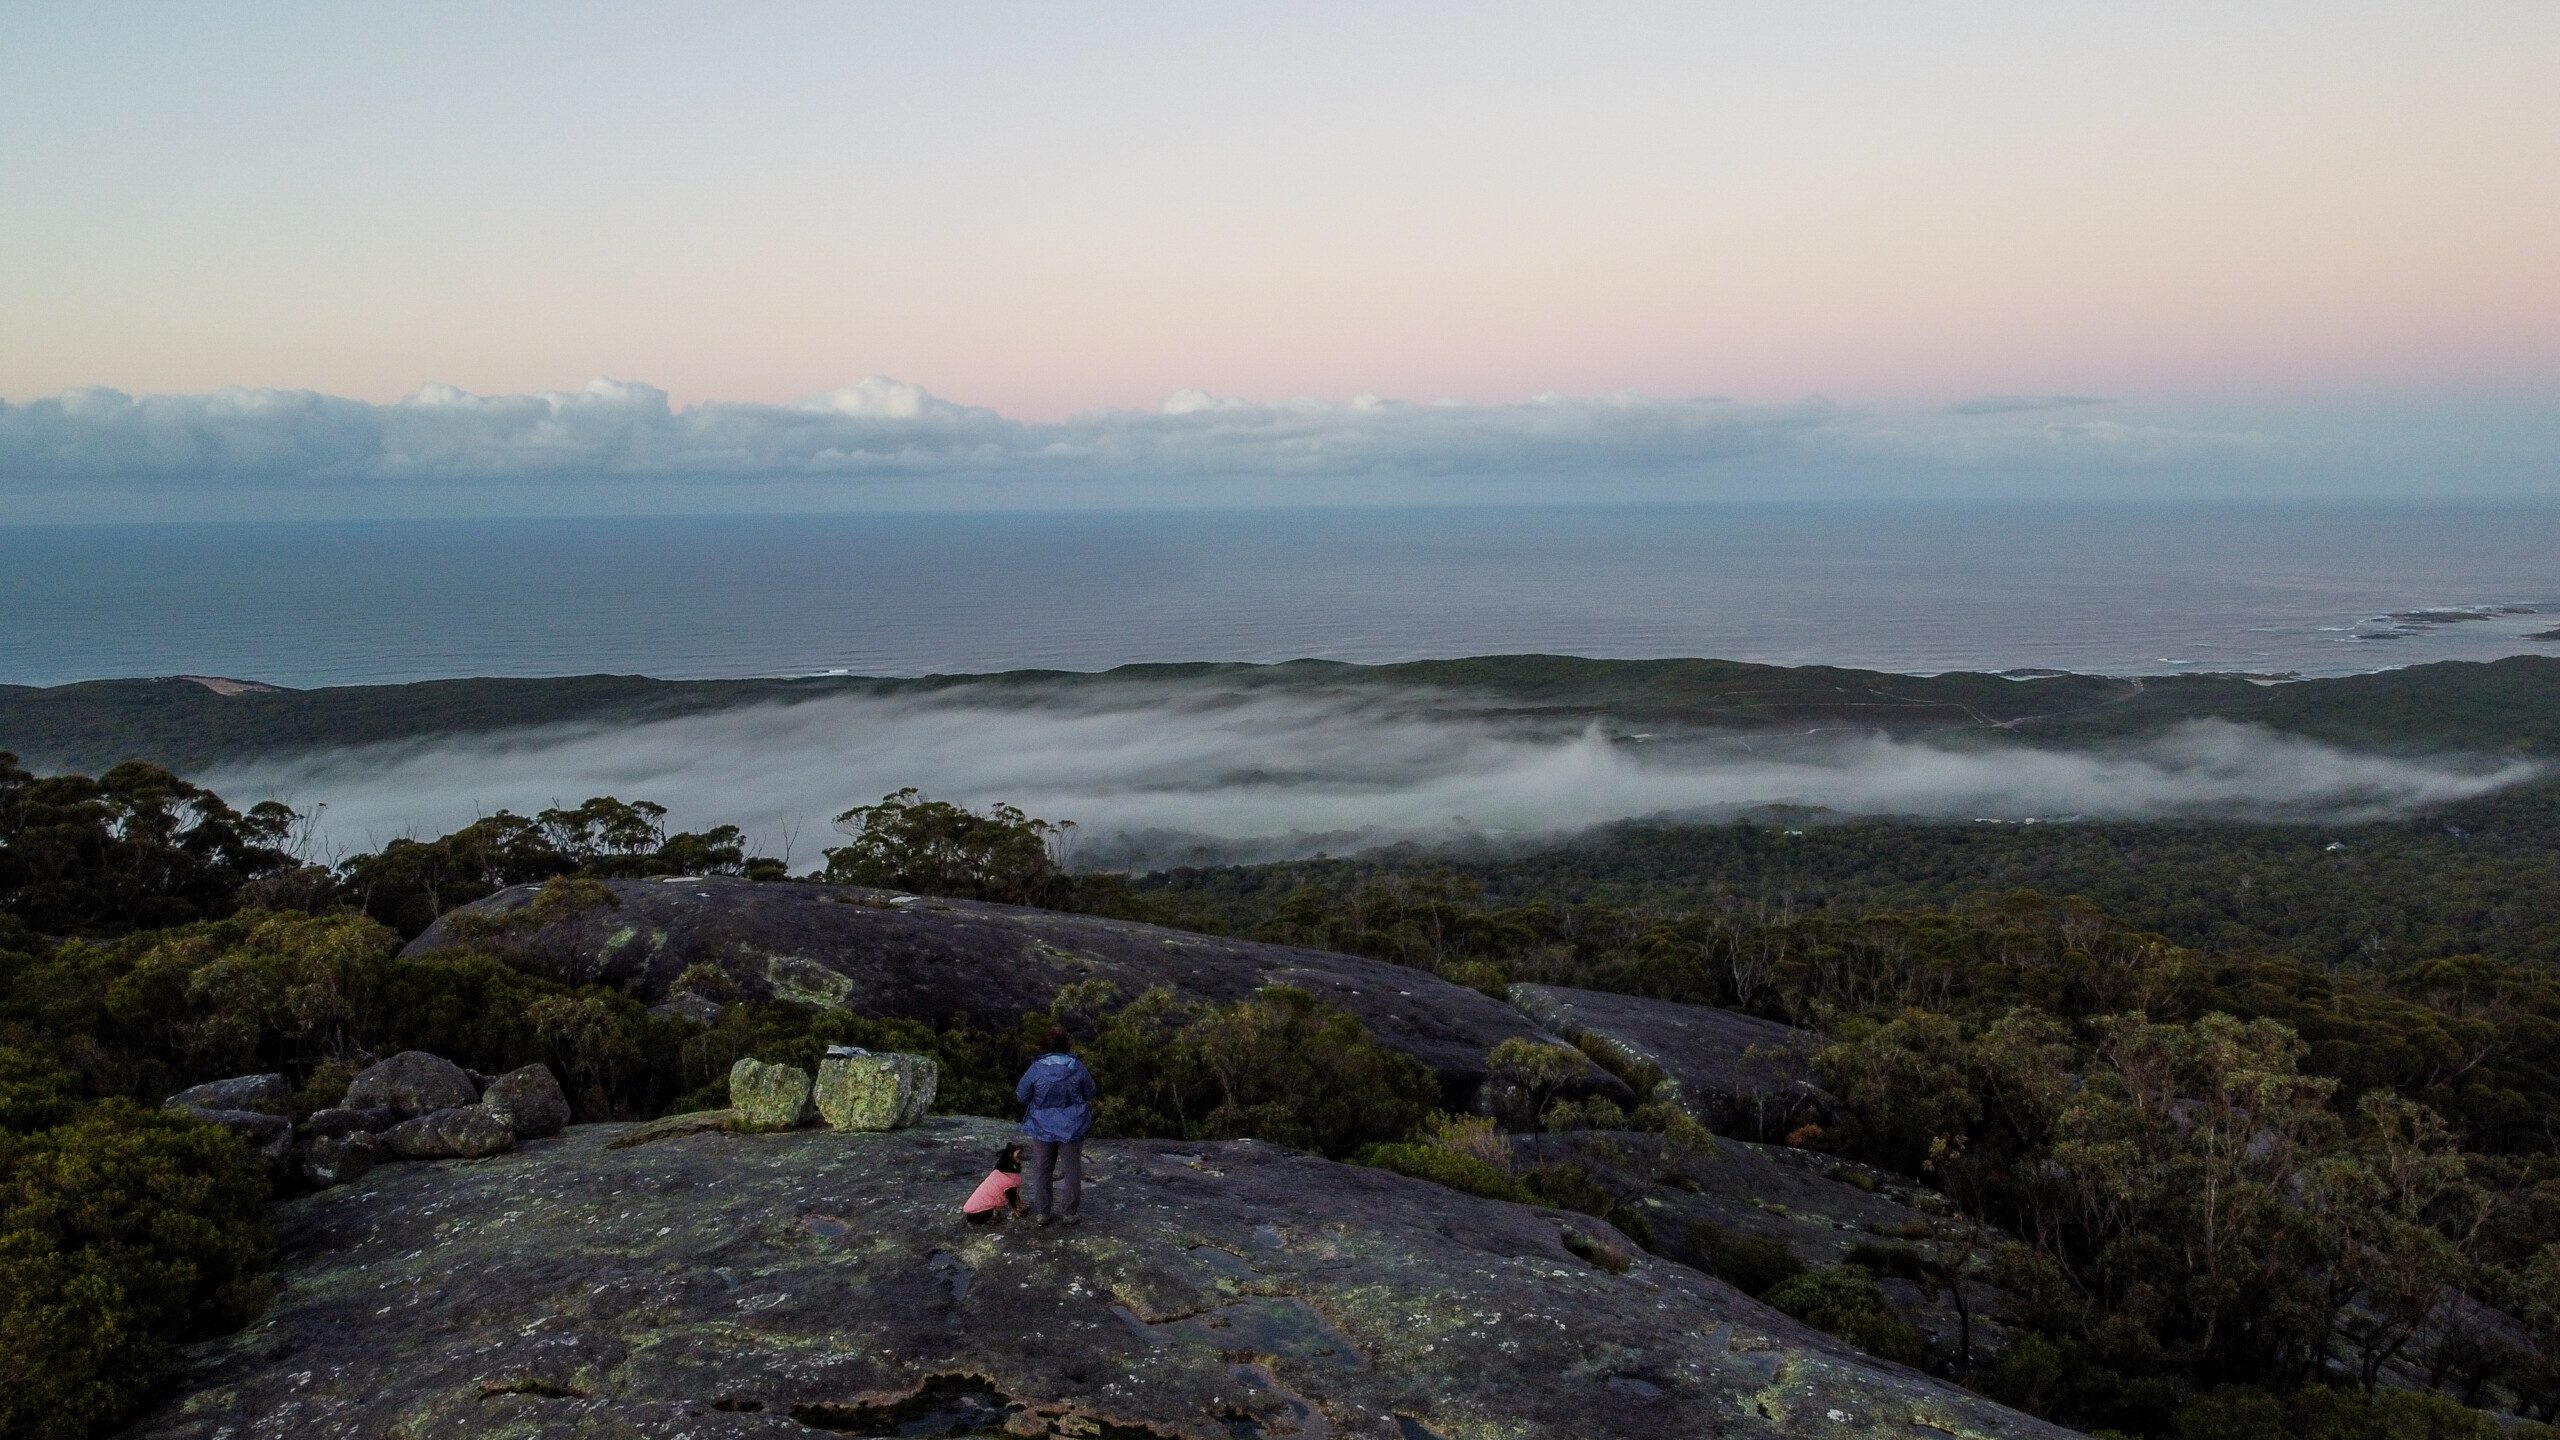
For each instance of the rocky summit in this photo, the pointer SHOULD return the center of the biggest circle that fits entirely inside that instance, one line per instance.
(885, 954)
(722, 1284)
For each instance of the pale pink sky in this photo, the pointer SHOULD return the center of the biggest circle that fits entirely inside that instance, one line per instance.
(1048, 210)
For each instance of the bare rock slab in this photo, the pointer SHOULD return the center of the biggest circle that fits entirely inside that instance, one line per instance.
(1736, 1074)
(876, 1092)
(874, 953)
(723, 1285)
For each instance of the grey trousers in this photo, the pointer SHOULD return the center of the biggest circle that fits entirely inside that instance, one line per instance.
(1063, 1159)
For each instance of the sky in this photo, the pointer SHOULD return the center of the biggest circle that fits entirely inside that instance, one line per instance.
(481, 258)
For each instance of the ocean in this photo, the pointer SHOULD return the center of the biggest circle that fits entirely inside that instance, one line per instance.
(2120, 588)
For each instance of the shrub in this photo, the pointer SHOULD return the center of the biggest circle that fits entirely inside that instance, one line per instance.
(1571, 1187)
(708, 981)
(2319, 1412)
(1442, 1166)
(124, 1232)
(35, 1093)
(1528, 1075)
(1475, 1136)
(1277, 1066)
(1754, 1266)
(1642, 1076)
(1592, 1112)
(1844, 1300)
(1479, 975)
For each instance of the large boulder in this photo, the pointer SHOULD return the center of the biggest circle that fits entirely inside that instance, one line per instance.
(531, 1100)
(268, 1093)
(269, 1137)
(1736, 1074)
(876, 1092)
(729, 1286)
(769, 1097)
(685, 1005)
(412, 1082)
(874, 953)
(461, 1132)
(325, 1160)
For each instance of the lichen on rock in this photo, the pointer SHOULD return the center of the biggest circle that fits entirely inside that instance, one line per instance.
(876, 1092)
(769, 1097)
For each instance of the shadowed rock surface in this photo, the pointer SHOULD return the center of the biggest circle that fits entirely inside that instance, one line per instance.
(879, 954)
(456, 1132)
(269, 1093)
(324, 1160)
(778, 1285)
(1820, 1207)
(530, 1100)
(338, 1120)
(1737, 1075)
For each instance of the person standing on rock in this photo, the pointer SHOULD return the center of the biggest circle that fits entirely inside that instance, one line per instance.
(1057, 1099)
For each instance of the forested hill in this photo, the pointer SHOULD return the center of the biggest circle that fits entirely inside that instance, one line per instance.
(187, 723)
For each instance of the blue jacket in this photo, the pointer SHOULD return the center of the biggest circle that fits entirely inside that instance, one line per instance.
(1057, 1097)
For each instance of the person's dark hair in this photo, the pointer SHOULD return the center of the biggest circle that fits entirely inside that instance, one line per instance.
(1056, 1040)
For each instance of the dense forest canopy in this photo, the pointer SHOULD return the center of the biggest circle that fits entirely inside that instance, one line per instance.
(2479, 875)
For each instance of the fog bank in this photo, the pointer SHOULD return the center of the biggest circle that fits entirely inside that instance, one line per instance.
(1153, 774)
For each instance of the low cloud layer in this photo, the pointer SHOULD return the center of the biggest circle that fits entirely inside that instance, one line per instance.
(1155, 776)
(880, 428)
(617, 446)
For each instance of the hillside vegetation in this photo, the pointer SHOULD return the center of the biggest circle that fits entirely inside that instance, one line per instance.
(2478, 876)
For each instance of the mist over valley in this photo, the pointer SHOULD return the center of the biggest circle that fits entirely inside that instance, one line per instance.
(1153, 774)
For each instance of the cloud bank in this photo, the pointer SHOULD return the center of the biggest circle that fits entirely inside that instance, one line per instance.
(623, 447)
(877, 428)
(1155, 775)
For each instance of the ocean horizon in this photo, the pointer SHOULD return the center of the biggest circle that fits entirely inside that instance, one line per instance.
(2309, 588)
